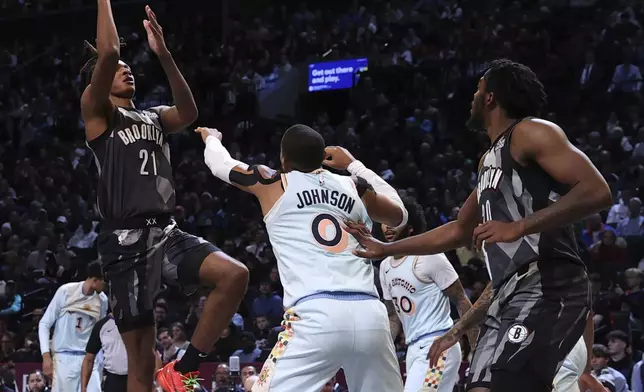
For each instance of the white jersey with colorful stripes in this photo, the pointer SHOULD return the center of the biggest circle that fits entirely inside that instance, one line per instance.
(314, 254)
(73, 315)
(415, 285)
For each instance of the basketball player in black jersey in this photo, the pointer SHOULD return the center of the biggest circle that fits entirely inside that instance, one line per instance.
(139, 242)
(533, 184)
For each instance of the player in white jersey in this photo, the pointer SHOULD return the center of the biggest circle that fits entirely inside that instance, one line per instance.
(417, 292)
(334, 318)
(73, 311)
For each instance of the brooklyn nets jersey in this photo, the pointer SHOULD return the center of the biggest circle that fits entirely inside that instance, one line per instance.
(509, 192)
(314, 254)
(133, 160)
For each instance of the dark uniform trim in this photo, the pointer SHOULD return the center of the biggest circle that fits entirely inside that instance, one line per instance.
(253, 177)
(362, 186)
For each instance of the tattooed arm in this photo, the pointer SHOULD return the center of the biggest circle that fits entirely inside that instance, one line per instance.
(469, 321)
(456, 294)
(476, 314)
(394, 321)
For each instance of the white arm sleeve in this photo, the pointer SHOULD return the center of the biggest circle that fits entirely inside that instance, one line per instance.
(218, 159)
(381, 186)
(49, 318)
(435, 268)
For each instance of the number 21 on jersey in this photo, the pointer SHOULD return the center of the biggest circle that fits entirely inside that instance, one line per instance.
(145, 156)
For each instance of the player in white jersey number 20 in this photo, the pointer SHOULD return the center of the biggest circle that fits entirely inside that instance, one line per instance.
(334, 318)
(74, 310)
(417, 292)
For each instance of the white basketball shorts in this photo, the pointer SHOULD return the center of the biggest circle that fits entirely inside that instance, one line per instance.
(323, 335)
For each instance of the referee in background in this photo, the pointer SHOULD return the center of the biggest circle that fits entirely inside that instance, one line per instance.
(106, 336)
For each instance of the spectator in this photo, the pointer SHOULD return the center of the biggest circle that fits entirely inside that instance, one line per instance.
(246, 372)
(599, 362)
(262, 330)
(170, 351)
(632, 226)
(179, 338)
(222, 381)
(627, 77)
(267, 303)
(609, 254)
(161, 316)
(7, 347)
(248, 352)
(620, 210)
(11, 299)
(37, 382)
(619, 351)
(594, 227)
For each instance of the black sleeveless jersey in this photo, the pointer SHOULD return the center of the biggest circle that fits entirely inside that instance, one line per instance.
(133, 160)
(509, 192)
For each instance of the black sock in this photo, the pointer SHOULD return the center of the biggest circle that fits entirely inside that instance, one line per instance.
(190, 361)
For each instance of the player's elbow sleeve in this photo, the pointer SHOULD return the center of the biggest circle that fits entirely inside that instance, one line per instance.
(219, 161)
(405, 216)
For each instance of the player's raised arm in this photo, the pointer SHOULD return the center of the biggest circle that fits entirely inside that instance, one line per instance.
(184, 111)
(381, 199)
(252, 179)
(442, 239)
(96, 106)
(544, 143)
(44, 328)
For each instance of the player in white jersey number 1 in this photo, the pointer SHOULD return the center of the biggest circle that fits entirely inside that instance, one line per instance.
(74, 310)
(334, 318)
(417, 291)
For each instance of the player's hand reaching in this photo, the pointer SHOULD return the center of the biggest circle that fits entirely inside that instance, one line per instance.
(494, 231)
(205, 132)
(337, 157)
(440, 346)
(373, 249)
(155, 33)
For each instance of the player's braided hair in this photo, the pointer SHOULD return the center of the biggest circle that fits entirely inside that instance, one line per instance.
(88, 68)
(416, 219)
(516, 88)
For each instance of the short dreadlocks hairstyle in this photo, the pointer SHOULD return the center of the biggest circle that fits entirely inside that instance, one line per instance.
(516, 88)
(416, 218)
(88, 68)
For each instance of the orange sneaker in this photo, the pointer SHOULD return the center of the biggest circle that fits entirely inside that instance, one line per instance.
(171, 380)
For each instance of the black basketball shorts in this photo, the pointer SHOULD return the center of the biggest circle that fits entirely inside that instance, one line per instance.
(136, 261)
(535, 319)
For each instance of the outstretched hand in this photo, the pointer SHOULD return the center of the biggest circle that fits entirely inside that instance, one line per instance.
(373, 249)
(155, 32)
(205, 132)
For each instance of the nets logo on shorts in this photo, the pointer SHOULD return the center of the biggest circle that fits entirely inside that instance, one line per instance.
(517, 333)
